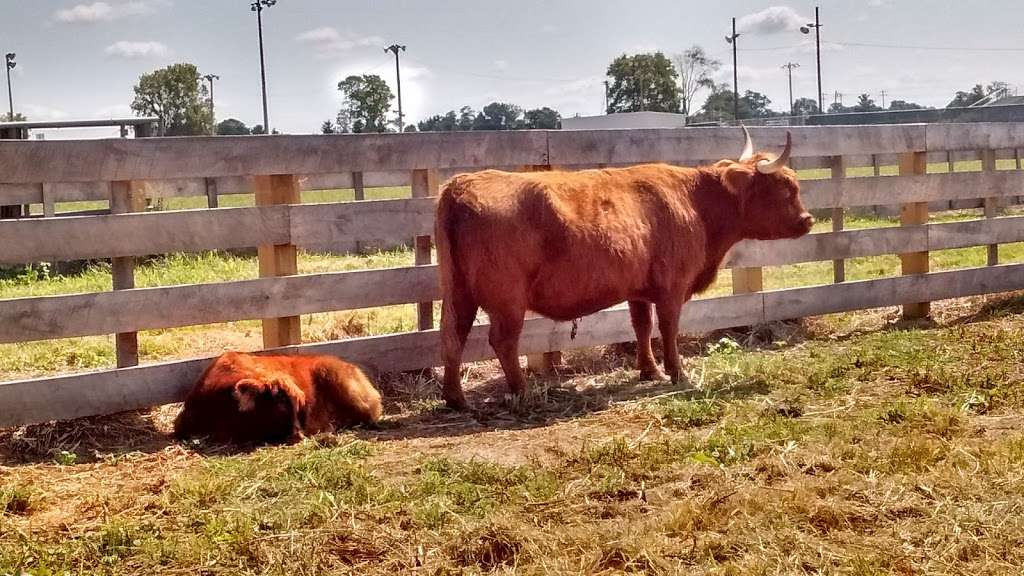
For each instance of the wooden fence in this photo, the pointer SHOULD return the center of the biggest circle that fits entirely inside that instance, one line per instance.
(277, 168)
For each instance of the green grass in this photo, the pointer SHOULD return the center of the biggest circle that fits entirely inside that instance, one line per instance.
(845, 444)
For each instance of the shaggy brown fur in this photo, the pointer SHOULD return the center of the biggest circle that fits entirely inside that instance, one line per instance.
(568, 244)
(248, 398)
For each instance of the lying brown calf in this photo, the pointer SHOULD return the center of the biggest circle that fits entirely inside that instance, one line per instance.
(248, 398)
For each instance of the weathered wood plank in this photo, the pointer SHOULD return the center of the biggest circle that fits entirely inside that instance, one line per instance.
(617, 146)
(61, 397)
(862, 295)
(876, 242)
(323, 226)
(892, 190)
(424, 185)
(988, 164)
(838, 219)
(125, 197)
(28, 162)
(914, 214)
(105, 392)
(278, 259)
(82, 237)
(67, 316)
(975, 136)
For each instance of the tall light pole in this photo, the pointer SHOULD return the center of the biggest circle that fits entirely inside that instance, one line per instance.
(606, 97)
(789, 67)
(817, 42)
(735, 75)
(398, 78)
(210, 78)
(9, 57)
(258, 7)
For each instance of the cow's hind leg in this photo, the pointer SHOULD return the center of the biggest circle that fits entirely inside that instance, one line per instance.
(460, 315)
(506, 327)
(668, 325)
(643, 325)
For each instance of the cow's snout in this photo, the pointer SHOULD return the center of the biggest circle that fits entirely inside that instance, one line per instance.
(807, 220)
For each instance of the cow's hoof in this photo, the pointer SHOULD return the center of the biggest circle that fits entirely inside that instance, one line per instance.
(653, 376)
(459, 404)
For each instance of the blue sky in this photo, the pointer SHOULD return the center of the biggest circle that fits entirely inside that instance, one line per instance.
(80, 59)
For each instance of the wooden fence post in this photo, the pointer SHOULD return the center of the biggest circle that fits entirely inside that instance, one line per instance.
(544, 362)
(988, 164)
(359, 193)
(49, 202)
(125, 197)
(211, 193)
(838, 217)
(278, 259)
(914, 214)
(424, 185)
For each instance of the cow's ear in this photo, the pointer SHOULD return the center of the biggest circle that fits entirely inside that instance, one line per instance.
(245, 392)
(736, 177)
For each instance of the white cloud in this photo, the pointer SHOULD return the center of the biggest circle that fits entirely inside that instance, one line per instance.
(501, 65)
(771, 20)
(114, 111)
(106, 12)
(42, 113)
(328, 42)
(126, 49)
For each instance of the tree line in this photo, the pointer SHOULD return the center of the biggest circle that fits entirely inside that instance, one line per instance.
(178, 98)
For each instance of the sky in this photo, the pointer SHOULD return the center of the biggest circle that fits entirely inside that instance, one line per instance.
(79, 60)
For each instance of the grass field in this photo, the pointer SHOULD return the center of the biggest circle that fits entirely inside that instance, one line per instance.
(845, 445)
(852, 444)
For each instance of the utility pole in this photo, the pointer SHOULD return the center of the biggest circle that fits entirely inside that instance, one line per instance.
(605, 111)
(817, 43)
(257, 6)
(210, 78)
(9, 57)
(735, 75)
(883, 98)
(789, 67)
(398, 79)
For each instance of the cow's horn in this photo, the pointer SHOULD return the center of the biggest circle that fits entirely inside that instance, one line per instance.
(748, 146)
(773, 166)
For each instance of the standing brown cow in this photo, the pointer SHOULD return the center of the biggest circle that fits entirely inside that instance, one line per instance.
(566, 245)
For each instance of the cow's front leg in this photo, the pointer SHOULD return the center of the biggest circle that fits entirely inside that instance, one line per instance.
(504, 338)
(668, 325)
(643, 325)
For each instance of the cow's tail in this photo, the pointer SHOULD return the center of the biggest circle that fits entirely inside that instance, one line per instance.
(444, 224)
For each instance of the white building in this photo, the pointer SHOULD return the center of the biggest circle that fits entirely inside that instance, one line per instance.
(625, 120)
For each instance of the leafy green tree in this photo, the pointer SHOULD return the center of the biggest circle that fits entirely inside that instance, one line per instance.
(367, 102)
(695, 69)
(755, 105)
(328, 127)
(258, 130)
(719, 105)
(964, 99)
(866, 104)
(838, 108)
(805, 106)
(543, 118)
(499, 116)
(642, 82)
(410, 128)
(466, 118)
(904, 105)
(18, 117)
(439, 123)
(177, 97)
(232, 127)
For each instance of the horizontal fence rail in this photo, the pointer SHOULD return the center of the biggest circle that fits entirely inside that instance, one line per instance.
(275, 168)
